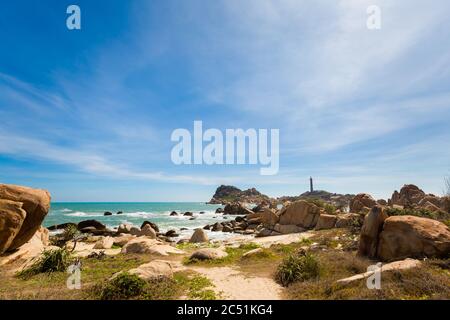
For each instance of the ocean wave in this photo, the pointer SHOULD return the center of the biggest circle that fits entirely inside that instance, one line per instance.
(66, 210)
(83, 214)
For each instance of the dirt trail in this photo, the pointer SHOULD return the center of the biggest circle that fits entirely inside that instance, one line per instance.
(231, 284)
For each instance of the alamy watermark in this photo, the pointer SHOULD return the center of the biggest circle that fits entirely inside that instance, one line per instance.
(234, 146)
(374, 279)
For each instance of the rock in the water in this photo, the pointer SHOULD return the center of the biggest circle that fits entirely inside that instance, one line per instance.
(362, 201)
(35, 203)
(62, 226)
(409, 236)
(107, 213)
(373, 224)
(199, 236)
(217, 227)
(119, 212)
(188, 214)
(219, 210)
(153, 270)
(104, 243)
(173, 213)
(208, 254)
(153, 225)
(171, 234)
(148, 231)
(236, 209)
(91, 223)
(12, 217)
(300, 213)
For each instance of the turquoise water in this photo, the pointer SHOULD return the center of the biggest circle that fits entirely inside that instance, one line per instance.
(136, 213)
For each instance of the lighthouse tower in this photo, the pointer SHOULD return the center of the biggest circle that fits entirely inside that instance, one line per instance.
(311, 188)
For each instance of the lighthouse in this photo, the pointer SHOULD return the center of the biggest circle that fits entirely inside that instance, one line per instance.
(311, 188)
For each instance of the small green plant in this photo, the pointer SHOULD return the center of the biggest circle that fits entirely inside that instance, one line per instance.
(122, 287)
(57, 260)
(329, 208)
(197, 287)
(412, 212)
(298, 267)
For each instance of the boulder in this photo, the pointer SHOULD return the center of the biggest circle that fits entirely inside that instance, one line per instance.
(410, 236)
(62, 226)
(361, 201)
(12, 217)
(236, 209)
(107, 213)
(326, 221)
(346, 220)
(208, 254)
(287, 228)
(143, 245)
(382, 202)
(119, 212)
(409, 195)
(135, 231)
(188, 214)
(147, 231)
(91, 223)
(173, 213)
(153, 225)
(300, 213)
(153, 270)
(373, 224)
(219, 210)
(124, 228)
(123, 240)
(198, 236)
(35, 203)
(429, 198)
(269, 217)
(217, 227)
(104, 243)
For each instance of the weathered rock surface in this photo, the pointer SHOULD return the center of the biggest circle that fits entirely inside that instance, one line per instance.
(91, 223)
(153, 269)
(151, 246)
(362, 201)
(236, 209)
(287, 228)
(268, 217)
(373, 224)
(300, 213)
(410, 236)
(208, 254)
(12, 217)
(199, 236)
(153, 225)
(104, 243)
(35, 203)
(326, 221)
(148, 231)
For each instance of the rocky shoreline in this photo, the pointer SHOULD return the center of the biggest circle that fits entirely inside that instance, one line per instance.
(409, 225)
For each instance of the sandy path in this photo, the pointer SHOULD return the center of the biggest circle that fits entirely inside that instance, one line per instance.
(230, 284)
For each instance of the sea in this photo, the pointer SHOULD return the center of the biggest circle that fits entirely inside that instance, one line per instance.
(137, 212)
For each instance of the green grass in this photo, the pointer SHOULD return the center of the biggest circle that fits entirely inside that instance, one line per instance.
(234, 255)
(57, 260)
(195, 286)
(298, 267)
(122, 287)
(424, 213)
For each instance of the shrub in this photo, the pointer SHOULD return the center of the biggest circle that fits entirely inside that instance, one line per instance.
(122, 287)
(49, 261)
(329, 208)
(299, 267)
(412, 212)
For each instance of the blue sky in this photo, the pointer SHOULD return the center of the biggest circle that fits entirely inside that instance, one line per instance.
(88, 114)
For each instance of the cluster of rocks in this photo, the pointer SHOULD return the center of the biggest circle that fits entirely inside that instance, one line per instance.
(340, 201)
(398, 237)
(228, 194)
(295, 217)
(409, 197)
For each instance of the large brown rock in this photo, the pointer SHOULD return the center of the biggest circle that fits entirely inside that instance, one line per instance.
(300, 213)
(236, 209)
(199, 236)
(12, 217)
(269, 217)
(373, 224)
(36, 204)
(361, 201)
(326, 221)
(410, 236)
(409, 195)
